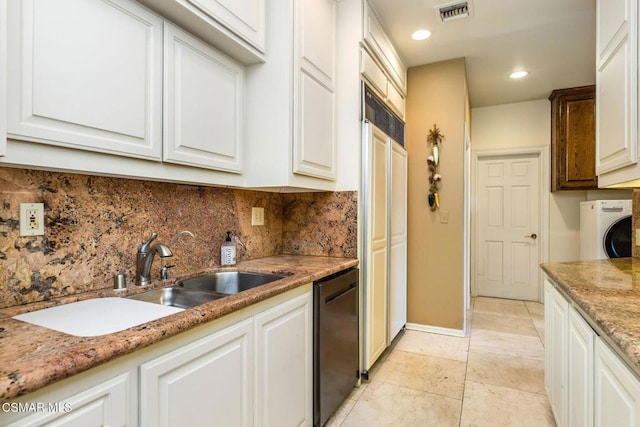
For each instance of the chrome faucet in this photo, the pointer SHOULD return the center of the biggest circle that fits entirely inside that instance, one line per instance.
(146, 253)
(180, 234)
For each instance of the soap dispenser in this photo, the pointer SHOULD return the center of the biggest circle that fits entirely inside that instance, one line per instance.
(228, 251)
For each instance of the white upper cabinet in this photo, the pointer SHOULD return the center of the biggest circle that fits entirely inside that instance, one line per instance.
(379, 44)
(203, 108)
(617, 92)
(314, 147)
(244, 17)
(86, 74)
(236, 27)
(3, 77)
(290, 133)
(373, 74)
(381, 66)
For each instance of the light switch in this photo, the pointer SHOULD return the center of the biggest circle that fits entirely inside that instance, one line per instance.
(637, 236)
(444, 217)
(31, 219)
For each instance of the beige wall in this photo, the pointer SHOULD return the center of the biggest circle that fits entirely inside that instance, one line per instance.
(437, 94)
(526, 124)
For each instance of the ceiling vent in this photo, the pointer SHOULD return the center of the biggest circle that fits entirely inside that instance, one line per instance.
(455, 10)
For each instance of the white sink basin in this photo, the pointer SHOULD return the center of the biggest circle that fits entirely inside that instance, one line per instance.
(97, 316)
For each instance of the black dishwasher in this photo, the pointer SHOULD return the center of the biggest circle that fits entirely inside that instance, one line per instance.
(335, 342)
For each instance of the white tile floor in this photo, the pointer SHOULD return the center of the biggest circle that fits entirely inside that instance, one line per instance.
(494, 377)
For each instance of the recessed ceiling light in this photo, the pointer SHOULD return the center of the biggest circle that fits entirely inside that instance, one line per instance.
(519, 74)
(421, 35)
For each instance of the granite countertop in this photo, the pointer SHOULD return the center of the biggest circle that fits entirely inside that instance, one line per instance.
(32, 356)
(608, 293)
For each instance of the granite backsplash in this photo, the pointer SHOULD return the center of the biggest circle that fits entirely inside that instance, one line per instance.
(94, 225)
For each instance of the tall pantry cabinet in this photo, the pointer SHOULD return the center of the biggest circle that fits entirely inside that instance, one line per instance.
(385, 252)
(384, 190)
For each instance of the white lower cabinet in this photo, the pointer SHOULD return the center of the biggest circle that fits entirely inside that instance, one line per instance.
(284, 356)
(105, 403)
(208, 382)
(617, 390)
(556, 327)
(251, 367)
(579, 371)
(587, 383)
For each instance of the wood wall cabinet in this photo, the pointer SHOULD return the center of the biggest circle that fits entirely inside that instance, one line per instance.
(573, 150)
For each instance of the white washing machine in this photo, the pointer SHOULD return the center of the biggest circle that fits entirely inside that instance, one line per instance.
(605, 229)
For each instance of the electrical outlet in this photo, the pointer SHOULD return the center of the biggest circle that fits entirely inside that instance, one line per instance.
(257, 216)
(31, 219)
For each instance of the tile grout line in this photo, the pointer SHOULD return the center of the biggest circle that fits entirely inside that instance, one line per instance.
(466, 367)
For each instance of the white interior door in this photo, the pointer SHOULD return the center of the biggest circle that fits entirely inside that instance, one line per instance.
(507, 249)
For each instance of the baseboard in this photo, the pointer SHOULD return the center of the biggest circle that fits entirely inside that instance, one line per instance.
(435, 330)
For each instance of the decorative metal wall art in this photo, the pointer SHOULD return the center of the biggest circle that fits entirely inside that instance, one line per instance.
(435, 138)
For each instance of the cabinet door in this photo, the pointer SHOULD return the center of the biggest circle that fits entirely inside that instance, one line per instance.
(573, 150)
(246, 18)
(284, 374)
(373, 74)
(314, 136)
(396, 101)
(208, 382)
(378, 42)
(3, 77)
(203, 104)
(616, 85)
(398, 246)
(556, 327)
(580, 371)
(376, 228)
(86, 74)
(616, 390)
(106, 404)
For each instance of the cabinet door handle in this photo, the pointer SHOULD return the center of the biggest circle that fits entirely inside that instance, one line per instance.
(534, 236)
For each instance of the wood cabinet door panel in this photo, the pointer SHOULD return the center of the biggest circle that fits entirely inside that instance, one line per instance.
(573, 139)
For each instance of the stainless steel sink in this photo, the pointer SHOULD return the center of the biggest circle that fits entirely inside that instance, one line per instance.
(177, 297)
(228, 282)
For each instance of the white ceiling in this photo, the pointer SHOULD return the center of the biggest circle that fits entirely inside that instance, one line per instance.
(553, 39)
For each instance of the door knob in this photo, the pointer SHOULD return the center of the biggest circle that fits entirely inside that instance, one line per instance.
(534, 236)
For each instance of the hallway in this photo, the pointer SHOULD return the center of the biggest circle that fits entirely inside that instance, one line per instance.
(494, 377)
